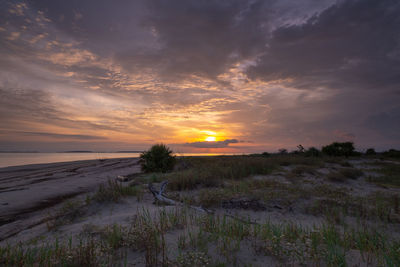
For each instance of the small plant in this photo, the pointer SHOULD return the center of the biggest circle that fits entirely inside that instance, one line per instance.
(193, 259)
(158, 159)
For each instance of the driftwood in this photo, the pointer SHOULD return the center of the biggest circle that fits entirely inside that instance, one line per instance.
(161, 198)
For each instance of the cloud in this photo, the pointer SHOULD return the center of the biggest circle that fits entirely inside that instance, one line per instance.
(202, 38)
(212, 144)
(354, 42)
(55, 135)
(277, 72)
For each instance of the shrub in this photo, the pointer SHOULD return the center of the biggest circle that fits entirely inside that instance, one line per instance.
(339, 149)
(370, 151)
(283, 151)
(265, 154)
(312, 152)
(158, 159)
(392, 153)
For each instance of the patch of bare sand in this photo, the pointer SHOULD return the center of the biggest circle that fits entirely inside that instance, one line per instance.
(27, 190)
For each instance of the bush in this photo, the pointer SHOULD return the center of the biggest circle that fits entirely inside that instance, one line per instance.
(265, 154)
(339, 149)
(312, 152)
(158, 159)
(392, 153)
(370, 151)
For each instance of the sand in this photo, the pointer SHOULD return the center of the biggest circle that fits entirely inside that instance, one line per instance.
(25, 190)
(31, 196)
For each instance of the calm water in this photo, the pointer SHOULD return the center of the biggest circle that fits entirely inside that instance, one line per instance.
(16, 159)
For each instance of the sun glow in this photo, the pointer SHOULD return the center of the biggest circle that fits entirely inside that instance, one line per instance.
(210, 139)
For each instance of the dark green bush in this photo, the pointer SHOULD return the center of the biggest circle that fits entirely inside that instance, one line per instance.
(370, 151)
(392, 153)
(312, 152)
(265, 154)
(339, 149)
(158, 159)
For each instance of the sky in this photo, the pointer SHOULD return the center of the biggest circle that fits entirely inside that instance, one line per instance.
(212, 76)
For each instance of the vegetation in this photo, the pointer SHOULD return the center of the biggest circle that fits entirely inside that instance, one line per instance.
(312, 152)
(287, 244)
(249, 199)
(390, 174)
(113, 191)
(392, 153)
(370, 152)
(158, 159)
(339, 149)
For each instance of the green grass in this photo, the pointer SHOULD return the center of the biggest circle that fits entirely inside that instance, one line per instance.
(212, 171)
(390, 174)
(344, 174)
(70, 210)
(114, 191)
(288, 244)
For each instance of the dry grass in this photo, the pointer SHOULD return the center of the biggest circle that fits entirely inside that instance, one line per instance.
(114, 191)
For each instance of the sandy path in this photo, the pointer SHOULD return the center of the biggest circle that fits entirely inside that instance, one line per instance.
(24, 189)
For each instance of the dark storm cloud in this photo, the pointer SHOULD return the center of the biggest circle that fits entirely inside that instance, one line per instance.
(354, 42)
(200, 37)
(212, 144)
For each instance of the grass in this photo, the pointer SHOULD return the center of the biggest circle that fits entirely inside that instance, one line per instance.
(288, 244)
(390, 174)
(344, 174)
(350, 226)
(70, 210)
(213, 171)
(114, 191)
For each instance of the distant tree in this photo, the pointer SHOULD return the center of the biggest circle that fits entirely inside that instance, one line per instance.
(158, 158)
(265, 154)
(339, 149)
(370, 151)
(282, 151)
(300, 149)
(393, 153)
(312, 152)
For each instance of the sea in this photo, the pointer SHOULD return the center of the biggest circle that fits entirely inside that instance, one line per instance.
(17, 159)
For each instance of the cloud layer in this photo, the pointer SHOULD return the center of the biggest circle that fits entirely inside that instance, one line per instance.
(276, 73)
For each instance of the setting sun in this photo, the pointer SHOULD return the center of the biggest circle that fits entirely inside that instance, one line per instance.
(210, 139)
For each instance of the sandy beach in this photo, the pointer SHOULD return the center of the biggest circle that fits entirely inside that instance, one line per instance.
(26, 190)
(223, 211)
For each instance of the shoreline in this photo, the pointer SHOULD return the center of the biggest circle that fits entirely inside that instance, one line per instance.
(27, 189)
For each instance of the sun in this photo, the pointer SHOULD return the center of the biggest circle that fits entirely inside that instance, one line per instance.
(210, 139)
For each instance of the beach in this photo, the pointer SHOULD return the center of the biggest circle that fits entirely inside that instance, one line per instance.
(27, 189)
(276, 210)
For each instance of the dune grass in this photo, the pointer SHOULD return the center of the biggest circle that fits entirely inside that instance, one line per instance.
(287, 244)
(389, 174)
(114, 191)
